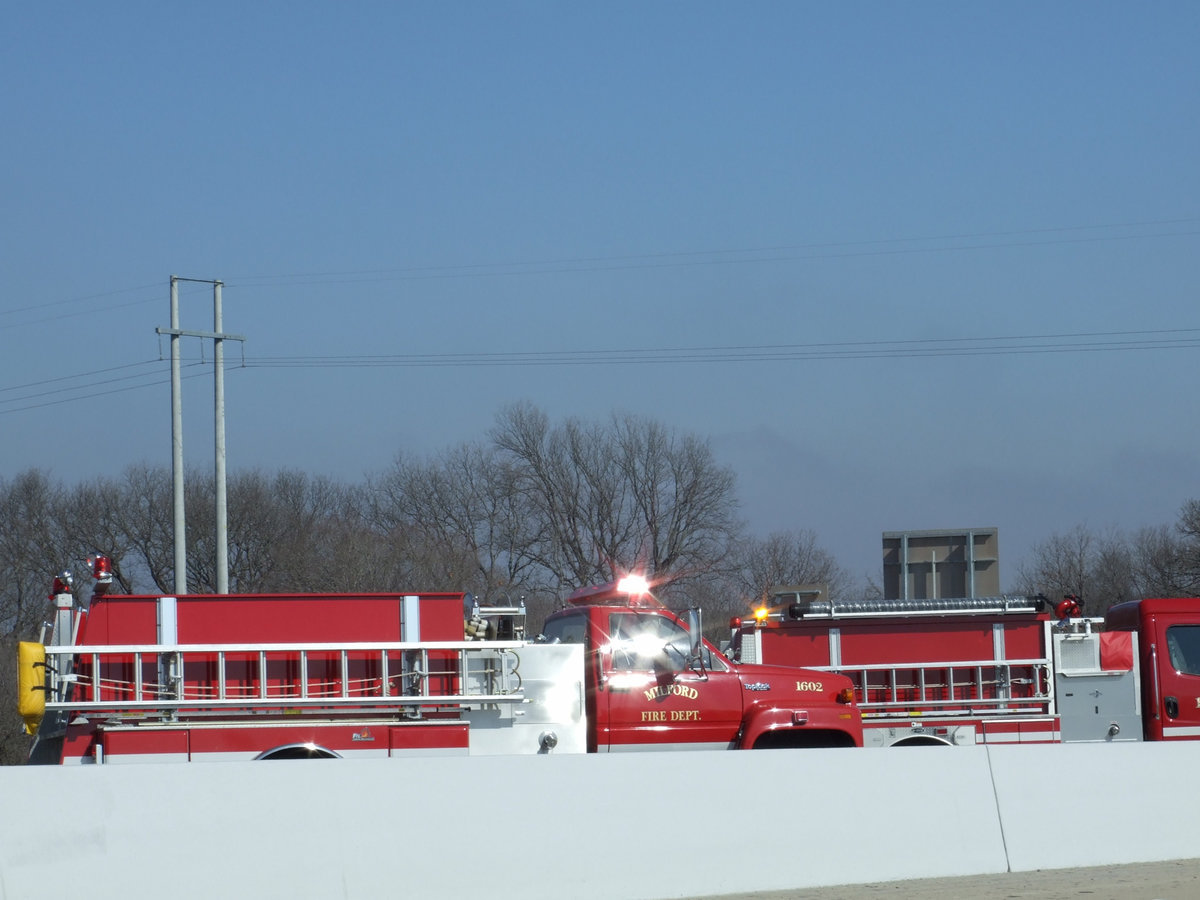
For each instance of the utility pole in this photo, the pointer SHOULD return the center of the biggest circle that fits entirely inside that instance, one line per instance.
(218, 337)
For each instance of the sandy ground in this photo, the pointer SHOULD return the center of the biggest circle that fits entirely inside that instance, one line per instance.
(1175, 880)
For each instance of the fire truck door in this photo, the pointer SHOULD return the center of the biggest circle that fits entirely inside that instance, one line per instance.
(652, 700)
(1178, 658)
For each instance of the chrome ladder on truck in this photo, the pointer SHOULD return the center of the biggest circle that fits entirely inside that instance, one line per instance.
(958, 688)
(169, 678)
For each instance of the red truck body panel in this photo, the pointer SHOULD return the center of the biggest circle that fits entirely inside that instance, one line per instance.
(272, 618)
(945, 678)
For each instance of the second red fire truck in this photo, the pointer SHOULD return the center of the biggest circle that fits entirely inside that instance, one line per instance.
(153, 678)
(961, 672)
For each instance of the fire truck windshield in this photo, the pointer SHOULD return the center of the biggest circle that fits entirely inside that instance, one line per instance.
(641, 642)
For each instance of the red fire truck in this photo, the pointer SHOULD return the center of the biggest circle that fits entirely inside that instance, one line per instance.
(995, 669)
(241, 677)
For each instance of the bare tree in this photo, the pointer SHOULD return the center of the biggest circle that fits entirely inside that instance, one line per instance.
(1099, 569)
(463, 506)
(1167, 558)
(283, 530)
(94, 521)
(329, 544)
(146, 515)
(31, 550)
(277, 528)
(1156, 558)
(30, 554)
(351, 556)
(783, 558)
(1188, 557)
(1159, 561)
(1059, 565)
(631, 494)
(564, 493)
(684, 505)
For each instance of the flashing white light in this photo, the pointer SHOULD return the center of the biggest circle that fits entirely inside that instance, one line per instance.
(633, 584)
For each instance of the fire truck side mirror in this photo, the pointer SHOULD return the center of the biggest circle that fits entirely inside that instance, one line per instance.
(695, 632)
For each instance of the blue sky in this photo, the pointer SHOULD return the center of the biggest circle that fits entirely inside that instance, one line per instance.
(868, 249)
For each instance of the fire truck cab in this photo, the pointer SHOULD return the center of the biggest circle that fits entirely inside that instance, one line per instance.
(653, 683)
(1168, 640)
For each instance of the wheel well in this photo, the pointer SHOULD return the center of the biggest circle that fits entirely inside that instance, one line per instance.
(921, 741)
(298, 751)
(793, 738)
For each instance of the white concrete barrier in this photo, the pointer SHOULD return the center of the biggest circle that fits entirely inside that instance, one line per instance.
(629, 825)
(1097, 804)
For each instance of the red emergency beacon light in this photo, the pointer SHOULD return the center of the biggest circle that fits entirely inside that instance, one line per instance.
(1069, 607)
(632, 590)
(61, 584)
(634, 585)
(102, 572)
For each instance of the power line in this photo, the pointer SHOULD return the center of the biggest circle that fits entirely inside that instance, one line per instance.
(42, 383)
(971, 346)
(709, 257)
(91, 395)
(69, 389)
(667, 261)
(82, 299)
(682, 256)
(90, 311)
(1004, 345)
(86, 312)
